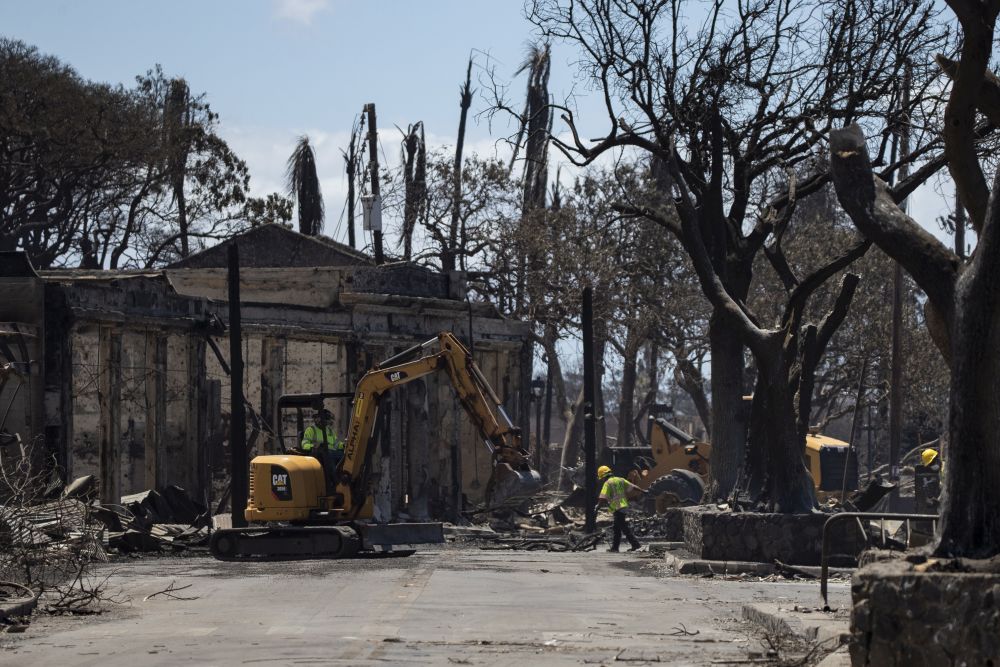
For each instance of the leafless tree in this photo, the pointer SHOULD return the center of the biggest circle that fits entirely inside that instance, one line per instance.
(49, 543)
(964, 295)
(731, 98)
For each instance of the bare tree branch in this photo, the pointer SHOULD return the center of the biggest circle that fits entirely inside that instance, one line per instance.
(872, 208)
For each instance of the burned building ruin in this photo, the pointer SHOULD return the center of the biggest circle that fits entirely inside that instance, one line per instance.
(123, 374)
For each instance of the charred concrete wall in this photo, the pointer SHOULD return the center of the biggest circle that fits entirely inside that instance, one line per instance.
(137, 394)
(21, 367)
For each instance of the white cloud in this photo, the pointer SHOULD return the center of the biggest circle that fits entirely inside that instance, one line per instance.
(300, 11)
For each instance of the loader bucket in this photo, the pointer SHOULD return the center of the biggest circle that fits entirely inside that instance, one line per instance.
(508, 487)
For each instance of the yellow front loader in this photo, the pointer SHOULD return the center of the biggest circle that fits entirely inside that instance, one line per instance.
(674, 469)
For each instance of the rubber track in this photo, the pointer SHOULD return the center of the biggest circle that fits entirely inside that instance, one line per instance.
(349, 543)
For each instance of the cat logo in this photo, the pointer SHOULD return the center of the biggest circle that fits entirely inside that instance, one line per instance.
(281, 488)
(395, 376)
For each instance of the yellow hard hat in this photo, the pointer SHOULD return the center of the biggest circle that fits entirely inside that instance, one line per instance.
(928, 456)
(603, 472)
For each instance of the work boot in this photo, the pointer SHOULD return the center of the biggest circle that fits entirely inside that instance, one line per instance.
(635, 547)
(613, 550)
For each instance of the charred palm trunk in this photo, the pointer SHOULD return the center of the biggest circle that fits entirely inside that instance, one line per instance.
(574, 430)
(177, 120)
(351, 164)
(449, 253)
(537, 126)
(415, 183)
(303, 185)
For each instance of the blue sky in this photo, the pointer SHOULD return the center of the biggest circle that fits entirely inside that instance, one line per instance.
(282, 63)
(277, 69)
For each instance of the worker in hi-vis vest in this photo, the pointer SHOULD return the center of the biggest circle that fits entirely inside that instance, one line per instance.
(613, 493)
(321, 441)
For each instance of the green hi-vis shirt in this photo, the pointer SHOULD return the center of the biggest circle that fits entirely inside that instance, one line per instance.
(314, 437)
(614, 492)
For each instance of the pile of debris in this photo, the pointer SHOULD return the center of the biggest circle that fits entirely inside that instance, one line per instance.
(71, 519)
(572, 542)
(165, 520)
(550, 513)
(550, 521)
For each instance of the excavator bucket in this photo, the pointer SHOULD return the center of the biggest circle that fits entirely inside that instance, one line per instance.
(508, 487)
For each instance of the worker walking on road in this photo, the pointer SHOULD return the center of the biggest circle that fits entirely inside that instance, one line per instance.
(321, 441)
(613, 493)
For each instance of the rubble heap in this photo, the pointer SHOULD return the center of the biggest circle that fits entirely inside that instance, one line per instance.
(71, 520)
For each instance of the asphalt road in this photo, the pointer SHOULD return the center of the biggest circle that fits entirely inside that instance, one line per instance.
(448, 606)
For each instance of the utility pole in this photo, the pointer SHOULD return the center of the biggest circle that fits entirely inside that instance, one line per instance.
(376, 218)
(589, 416)
(239, 474)
(896, 381)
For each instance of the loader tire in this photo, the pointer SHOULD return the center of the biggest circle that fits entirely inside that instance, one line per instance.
(677, 488)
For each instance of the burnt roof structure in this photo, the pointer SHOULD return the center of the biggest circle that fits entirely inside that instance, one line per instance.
(275, 245)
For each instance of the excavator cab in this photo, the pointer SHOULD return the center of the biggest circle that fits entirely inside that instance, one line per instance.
(290, 428)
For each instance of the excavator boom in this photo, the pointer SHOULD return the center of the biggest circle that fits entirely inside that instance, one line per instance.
(512, 478)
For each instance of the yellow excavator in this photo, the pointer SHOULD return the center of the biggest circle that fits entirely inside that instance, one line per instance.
(294, 511)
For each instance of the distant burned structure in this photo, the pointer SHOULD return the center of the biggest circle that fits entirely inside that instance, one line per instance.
(122, 372)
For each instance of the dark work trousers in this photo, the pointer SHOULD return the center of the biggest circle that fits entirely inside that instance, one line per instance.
(329, 459)
(621, 526)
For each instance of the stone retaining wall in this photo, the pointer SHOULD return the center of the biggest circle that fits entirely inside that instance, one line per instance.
(795, 539)
(904, 617)
(672, 524)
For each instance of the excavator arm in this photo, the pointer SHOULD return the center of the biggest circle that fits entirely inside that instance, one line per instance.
(512, 478)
